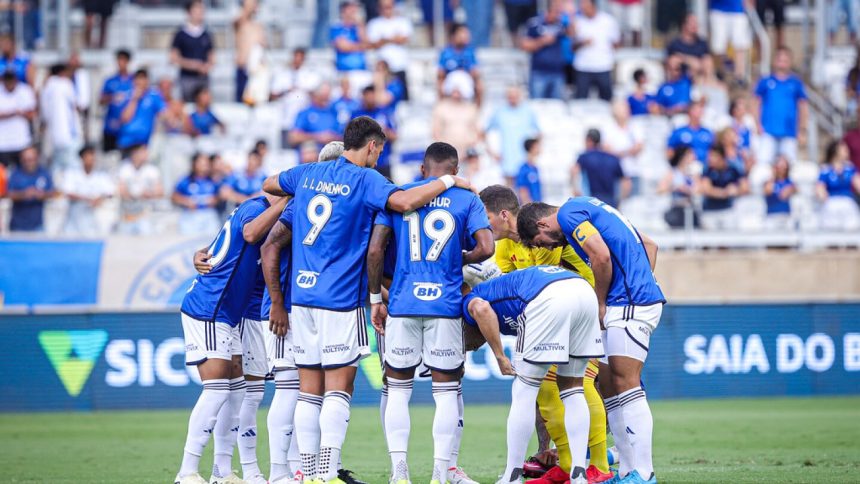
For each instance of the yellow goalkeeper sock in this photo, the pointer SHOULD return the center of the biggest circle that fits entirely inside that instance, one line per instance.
(597, 430)
(552, 411)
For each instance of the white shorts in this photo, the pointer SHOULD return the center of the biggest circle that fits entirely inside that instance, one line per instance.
(729, 28)
(279, 350)
(629, 329)
(328, 339)
(208, 339)
(438, 342)
(253, 348)
(560, 326)
(629, 16)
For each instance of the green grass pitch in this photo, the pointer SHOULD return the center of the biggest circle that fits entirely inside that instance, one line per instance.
(739, 440)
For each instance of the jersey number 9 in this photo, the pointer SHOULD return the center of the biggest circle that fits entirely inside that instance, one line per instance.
(319, 212)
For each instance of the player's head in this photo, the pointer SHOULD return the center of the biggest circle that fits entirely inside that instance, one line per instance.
(440, 159)
(123, 58)
(781, 168)
(532, 147)
(682, 156)
(460, 35)
(29, 159)
(261, 147)
(592, 138)
(138, 154)
(10, 80)
(331, 151)
(202, 96)
(538, 226)
(640, 77)
(88, 157)
(7, 45)
(502, 207)
(141, 79)
(717, 157)
(368, 97)
(349, 11)
(255, 162)
(588, 8)
(195, 10)
(697, 109)
(201, 165)
(363, 141)
(782, 60)
(299, 56)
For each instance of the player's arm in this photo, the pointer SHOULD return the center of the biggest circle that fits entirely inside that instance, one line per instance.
(375, 262)
(403, 201)
(601, 261)
(273, 186)
(256, 229)
(201, 261)
(485, 246)
(488, 323)
(651, 249)
(270, 258)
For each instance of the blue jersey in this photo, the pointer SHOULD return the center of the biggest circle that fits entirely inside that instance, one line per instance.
(246, 184)
(779, 98)
(430, 242)
(775, 204)
(139, 129)
(728, 6)
(838, 184)
(452, 59)
(117, 89)
(699, 139)
(223, 295)
(639, 107)
(632, 282)
(529, 178)
(347, 61)
(510, 293)
(17, 64)
(286, 218)
(673, 94)
(332, 220)
(203, 123)
(201, 190)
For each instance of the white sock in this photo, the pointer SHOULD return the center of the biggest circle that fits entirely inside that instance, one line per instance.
(334, 420)
(521, 425)
(445, 423)
(576, 423)
(254, 391)
(383, 404)
(280, 423)
(226, 429)
(293, 456)
(397, 425)
(639, 427)
(307, 424)
(202, 422)
(458, 434)
(619, 432)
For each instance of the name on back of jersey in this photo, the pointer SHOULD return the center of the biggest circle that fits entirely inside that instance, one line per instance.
(329, 188)
(440, 202)
(307, 279)
(427, 291)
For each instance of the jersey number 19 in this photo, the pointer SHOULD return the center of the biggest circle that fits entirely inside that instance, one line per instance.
(438, 225)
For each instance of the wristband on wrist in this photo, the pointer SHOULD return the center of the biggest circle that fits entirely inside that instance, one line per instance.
(375, 298)
(448, 180)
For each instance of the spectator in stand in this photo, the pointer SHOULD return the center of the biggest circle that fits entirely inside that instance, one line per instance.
(852, 84)
(456, 117)
(630, 15)
(318, 122)
(197, 194)
(246, 183)
(515, 122)
(777, 16)
(543, 38)
(730, 26)
(518, 13)
(139, 189)
(479, 174)
(626, 141)
(87, 189)
(727, 138)
(459, 55)
(17, 111)
(390, 34)
(348, 39)
(721, 184)
(839, 9)
(17, 62)
(29, 186)
(115, 92)
(428, 13)
(479, 18)
(682, 185)
(597, 37)
(164, 86)
(838, 181)
(320, 37)
(385, 118)
(691, 47)
(193, 51)
(83, 92)
(598, 173)
(852, 141)
(292, 86)
(782, 110)
(345, 104)
(778, 191)
(173, 120)
(675, 94)
(308, 152)
(103, 9)
(670, 15)
(527, 183)
(390, 90)
(250, 45)
(693, 135)
(139, 113)
(739, 111)
(640, 102)
(59, 112)
(203, 120)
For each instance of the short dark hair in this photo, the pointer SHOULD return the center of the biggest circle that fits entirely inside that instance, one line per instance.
(200, 90)
(141, 73)
(593, 135)
(9, 76)
(360, 131)
(259, 143)
(499, 197)
(529, 143)
(455, 27)
(368, 89)
(678, 154)
(87, 148)
(300, 50)
(439, 153)
(638, 74)
(527, 220)
(190, 3)
(718, 149)
(57, 69)
(123, 53)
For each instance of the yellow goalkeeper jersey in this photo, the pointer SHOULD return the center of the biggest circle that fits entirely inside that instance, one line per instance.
(511, 256)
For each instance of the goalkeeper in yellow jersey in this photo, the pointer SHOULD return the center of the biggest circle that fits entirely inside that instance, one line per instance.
(502, 209)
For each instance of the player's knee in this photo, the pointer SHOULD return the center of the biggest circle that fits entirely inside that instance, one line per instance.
(568, 382)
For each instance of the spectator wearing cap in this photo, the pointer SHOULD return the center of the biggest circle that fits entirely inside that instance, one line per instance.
(722, 183)
(139, 188)
(598, 173)
(675, 94)
(203, 120)
(318, 122)
(527, 183)
(197, 195)
(390, 34)
(630, 14)
(17, 111)
(456, 118)
(139, 113)
(783, 110)
(385, 118)
(596, 38)
(515, 122)
(693, 134)
(730, 26)
(543, 38)
(349, 39)
(29, 186)
(17, 62)
(640, 102)
(691, 47)
(59, 112)
(116, 90)
(778, 192)
(459, 55)
(193, 51)
(86, 189)
(838, 181)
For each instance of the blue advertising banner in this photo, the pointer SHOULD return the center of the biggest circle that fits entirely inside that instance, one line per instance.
(35, 272)
(136, 360)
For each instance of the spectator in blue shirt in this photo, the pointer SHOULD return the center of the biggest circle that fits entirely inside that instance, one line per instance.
(693, 134)
(838, 177)
(246, 183)
(721, 184)
(528, 179)
(139, 113)
(783, 110)
(689, 45)
(203, 120)
(385, 118)
(115, 92)
(348, 39)
(29, 187)
(193, 51)
(197, 194)
(738, 111)
(390, 89)
(603, 177)
(544, 38)
(640, 102)
(675, 94)
(12, 60)
(318, 122)
(344, 105)
(459, 55)
(778, 191)
(515, 122)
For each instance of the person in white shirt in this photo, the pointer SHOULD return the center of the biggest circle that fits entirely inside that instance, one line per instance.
(59, 112)
(390, 33)
(17, 109)
(87, 189)
(139, 187)
(83, 90)
(596, 38)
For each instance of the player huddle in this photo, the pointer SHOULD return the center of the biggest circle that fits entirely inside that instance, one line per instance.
(284, 288)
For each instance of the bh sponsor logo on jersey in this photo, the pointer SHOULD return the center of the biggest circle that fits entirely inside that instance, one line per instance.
(328, 188)
(427, 291)
(307, 279)
(552, 269)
